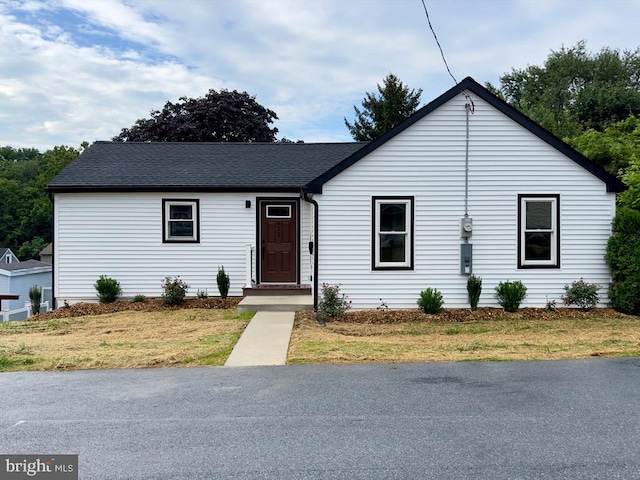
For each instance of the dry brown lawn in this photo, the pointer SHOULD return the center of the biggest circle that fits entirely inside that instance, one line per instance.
(488, 334)
(123, 339)
(204, 331)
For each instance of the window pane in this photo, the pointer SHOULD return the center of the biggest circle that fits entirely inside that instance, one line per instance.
(180, 212)
(537, 246)
(181, 229)
(538, 215)
(278, 211)
(392, 248)
(393, 217)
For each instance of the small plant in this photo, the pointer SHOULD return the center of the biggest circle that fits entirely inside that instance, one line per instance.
(223, 282)
(474, 288)
(35, 296)
(332, 303)
(383, 307)
(108, 289)
(202, 293)
(550, 306)
(430, 301)
(581, 293)
(173, 290)
(510, 295)
(139, 299)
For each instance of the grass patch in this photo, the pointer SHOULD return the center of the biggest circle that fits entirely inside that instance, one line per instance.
(130, 339)
(504, 339)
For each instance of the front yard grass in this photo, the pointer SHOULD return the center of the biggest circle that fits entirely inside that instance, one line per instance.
(129, 339)
(488, 339)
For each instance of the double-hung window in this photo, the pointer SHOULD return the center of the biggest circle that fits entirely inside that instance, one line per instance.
(392, 233)
(539, 231)
(181, 221)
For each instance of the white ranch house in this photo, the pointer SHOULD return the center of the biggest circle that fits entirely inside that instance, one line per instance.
(383, 219)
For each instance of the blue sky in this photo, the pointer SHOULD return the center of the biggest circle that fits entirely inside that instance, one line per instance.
(81, 70)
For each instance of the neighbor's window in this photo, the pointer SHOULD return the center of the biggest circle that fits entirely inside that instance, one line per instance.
(393, 232)
(181, 220)
(539, 235)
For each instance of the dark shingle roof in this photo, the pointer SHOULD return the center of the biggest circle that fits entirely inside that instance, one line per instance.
(27, 264)
(186, 166)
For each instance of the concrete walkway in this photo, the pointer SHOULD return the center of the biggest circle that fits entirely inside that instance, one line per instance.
(265, 341)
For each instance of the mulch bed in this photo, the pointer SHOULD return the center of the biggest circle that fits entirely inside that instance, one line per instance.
(356, 316)
(149, 305)
(466, 315)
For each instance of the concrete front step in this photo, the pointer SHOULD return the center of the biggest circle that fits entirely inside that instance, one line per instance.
(276, 290)
(279, 303)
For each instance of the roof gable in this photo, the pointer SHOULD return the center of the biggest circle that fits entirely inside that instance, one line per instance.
(469, 84)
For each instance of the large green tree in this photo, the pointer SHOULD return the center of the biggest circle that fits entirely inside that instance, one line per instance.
(380, 113)
(576, 90)
(614, 148)
(216, 117)
(25, 208)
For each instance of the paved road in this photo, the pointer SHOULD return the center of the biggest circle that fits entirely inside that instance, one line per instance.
(525, 420)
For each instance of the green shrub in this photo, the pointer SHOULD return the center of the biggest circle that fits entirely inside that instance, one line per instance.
(581, 293)
(35, 296)
(202, 293)
(510, 295)
(173, 290)
(550, 306)
(223, 282)
(430, 301)
(623, 258)
(139, 299)
(108, 289)
(474, 288)
(332, 303)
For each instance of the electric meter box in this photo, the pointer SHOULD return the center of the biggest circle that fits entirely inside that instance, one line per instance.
(466, 258)
(466, 227)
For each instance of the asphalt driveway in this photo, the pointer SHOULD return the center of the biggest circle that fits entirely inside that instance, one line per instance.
(524, 420)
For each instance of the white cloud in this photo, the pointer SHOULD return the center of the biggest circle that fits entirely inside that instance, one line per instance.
(76, 70)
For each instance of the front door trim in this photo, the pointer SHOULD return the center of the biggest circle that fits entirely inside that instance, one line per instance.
(276, 201)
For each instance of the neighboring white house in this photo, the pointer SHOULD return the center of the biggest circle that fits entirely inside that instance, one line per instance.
(466, 185)
(18, 277)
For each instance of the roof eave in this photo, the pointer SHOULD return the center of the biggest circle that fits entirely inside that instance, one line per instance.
(168, 188)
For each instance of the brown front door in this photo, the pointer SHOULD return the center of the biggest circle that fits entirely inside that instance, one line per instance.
(278, 241)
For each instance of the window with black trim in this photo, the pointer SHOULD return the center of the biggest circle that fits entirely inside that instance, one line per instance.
(181, 220)
(392, 233)
(539, 231)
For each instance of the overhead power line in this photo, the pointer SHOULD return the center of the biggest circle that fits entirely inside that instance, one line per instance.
(470, 105)
(436, 38)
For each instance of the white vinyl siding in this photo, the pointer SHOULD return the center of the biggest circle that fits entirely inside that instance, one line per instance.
(427, 161)
(102, 234)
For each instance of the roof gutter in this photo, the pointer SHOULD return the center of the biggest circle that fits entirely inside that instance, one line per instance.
(308, 199)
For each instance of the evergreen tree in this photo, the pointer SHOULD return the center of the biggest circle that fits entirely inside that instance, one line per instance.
(380, 113)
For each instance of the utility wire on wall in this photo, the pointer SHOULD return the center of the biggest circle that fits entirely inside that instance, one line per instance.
(469, 107)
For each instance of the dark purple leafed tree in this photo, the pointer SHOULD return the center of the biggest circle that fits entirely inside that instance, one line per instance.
(217, 117)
